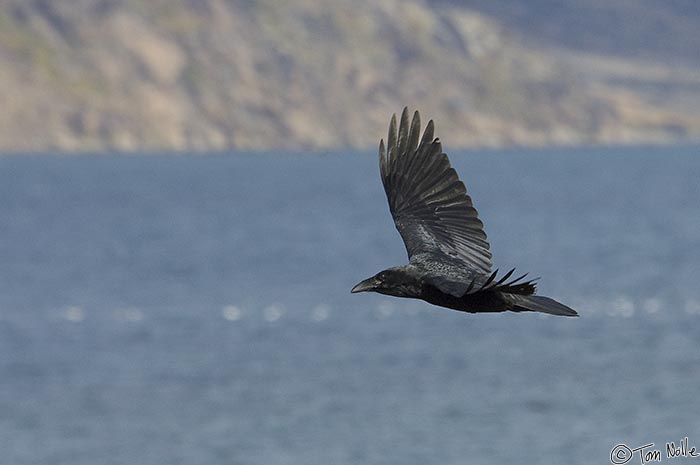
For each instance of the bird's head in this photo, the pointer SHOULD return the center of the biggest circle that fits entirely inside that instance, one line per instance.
(394, 281)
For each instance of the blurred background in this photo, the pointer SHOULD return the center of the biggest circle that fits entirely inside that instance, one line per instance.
(178, 309)
(131, 75)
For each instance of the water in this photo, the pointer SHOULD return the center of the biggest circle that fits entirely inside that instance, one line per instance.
(196, 310)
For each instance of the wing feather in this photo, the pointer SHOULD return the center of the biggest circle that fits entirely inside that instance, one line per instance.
(463, 285)
(430, 205)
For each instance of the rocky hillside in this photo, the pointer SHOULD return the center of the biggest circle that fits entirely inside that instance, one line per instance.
(133, 75)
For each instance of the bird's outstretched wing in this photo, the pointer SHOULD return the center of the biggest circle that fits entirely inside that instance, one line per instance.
(429, 204)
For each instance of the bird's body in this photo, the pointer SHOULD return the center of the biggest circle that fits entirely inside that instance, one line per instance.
(449, 258)
(407, 282)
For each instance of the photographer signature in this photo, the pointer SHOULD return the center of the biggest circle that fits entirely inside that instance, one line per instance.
(622, 453)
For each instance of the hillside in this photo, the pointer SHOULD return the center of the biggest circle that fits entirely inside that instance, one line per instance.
(132, 75)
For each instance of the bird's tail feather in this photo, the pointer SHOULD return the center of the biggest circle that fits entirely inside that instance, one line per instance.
(536, 303)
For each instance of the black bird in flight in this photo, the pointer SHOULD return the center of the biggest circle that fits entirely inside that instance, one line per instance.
(449, 259)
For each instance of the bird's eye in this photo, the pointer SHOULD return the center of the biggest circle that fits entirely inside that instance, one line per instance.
(382, 276)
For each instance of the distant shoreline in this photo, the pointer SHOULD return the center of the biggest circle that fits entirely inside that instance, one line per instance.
(631, 147)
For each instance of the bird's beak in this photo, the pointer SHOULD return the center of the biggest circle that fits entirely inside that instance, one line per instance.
(363, 286)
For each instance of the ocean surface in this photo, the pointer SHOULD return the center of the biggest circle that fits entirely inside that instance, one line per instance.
(197, 310)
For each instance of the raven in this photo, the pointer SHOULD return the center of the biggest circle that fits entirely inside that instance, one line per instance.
(449, 258)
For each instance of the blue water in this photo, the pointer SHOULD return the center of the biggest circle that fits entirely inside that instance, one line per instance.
(196, 310)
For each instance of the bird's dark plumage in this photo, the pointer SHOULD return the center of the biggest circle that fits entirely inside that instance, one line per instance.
(449, 257)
